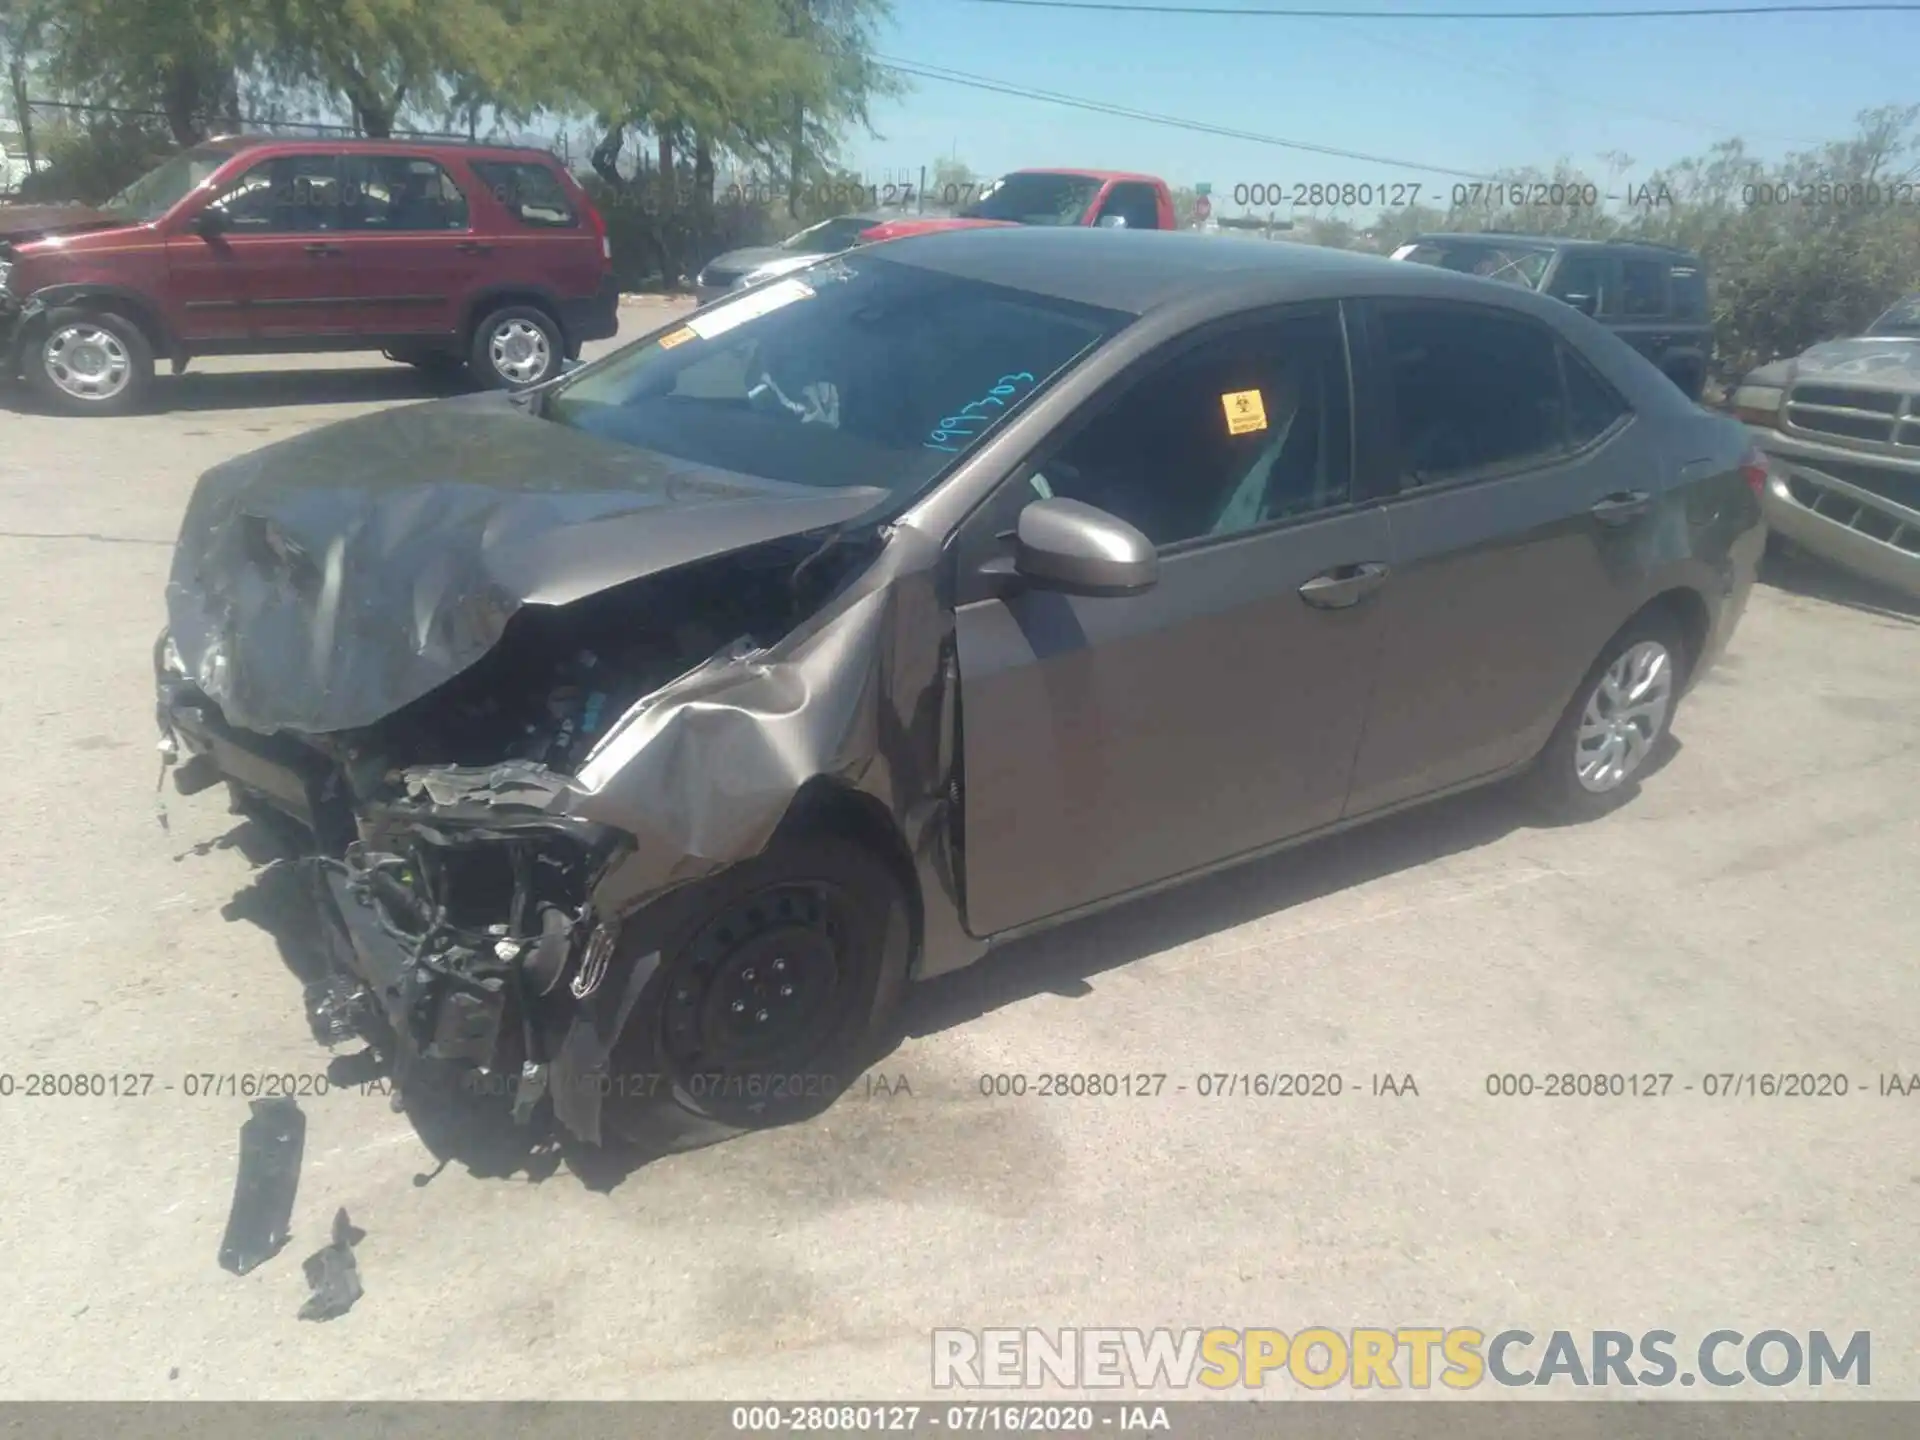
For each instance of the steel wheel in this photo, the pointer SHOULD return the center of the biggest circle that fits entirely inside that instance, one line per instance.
(87, 362)
(755, 986)
(520, 351)
(1625, 713)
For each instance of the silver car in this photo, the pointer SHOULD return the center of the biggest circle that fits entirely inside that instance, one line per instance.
(738, 269)
(1840, 426)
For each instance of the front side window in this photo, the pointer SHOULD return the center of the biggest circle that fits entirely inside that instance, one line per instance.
(1473, 390)
(399, 192)
(854, 372)
(287, 195)
(1510, 264)
(1581, 281)
(160, 189)
(1243, 431)
(1643, 288)
(1689, 292)
(529, 191)
(1134, 203)
(1036, 199)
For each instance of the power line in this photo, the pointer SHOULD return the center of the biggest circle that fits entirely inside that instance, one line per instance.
(1001, 87)
(1666, 13)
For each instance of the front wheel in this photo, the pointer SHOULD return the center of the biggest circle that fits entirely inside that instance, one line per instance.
(775, 977)
(1614, 726)
(516, 348)
(87, 363)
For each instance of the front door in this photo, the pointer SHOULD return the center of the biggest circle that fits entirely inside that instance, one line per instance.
(277, 271)
(410, 245)
(1514, 557)
(1109, 743)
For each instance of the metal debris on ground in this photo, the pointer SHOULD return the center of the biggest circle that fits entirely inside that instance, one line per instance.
(333, 1273)
(272, 1142)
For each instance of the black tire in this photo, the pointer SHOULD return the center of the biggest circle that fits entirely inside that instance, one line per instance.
(808, 899)
(481, 357)
(38, 362)
(1553, 783)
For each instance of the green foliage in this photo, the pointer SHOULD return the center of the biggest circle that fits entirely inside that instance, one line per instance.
(93, 162)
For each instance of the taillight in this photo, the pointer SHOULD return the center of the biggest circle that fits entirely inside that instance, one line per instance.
(599, 224)
(1754, 467)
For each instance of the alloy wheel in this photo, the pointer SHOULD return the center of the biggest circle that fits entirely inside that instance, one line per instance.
(88, 362)
(520, 351)
(1624, 716)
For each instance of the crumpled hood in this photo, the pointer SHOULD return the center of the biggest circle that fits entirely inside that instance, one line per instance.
(1892, 360)
(322, 583)
(20, 223)
(754, 257)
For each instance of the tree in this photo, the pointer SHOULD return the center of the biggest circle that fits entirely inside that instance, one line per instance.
(180, 57)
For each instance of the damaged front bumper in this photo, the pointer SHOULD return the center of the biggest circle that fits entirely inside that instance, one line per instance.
(403, 892)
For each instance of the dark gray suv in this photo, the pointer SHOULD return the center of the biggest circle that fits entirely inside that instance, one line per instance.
(1653, 296)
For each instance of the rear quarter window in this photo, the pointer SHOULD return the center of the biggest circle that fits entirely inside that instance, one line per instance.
(529, 191)
(1688, 295)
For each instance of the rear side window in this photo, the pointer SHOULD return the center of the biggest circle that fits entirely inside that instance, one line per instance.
(1593, 406)
(1134, 203)
(1643, 288)
(400, 192)
(531, 192)
(1689, 293)
(1473, 390)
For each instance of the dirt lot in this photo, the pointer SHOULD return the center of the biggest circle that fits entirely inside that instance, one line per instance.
(1752, 912)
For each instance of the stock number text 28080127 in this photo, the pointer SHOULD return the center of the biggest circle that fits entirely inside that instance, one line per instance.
(856, 194)
(1391, 194)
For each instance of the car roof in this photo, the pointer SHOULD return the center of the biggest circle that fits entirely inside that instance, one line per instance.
(1141, 270)
(1088, 174)
(415, 144)
(1549, 242)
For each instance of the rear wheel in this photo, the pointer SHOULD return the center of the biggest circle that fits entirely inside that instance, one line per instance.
(775, 977)
(90, 363)
(515, 348)
(1615, 724)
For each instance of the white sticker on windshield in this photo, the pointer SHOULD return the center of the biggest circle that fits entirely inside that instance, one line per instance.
(761, 300)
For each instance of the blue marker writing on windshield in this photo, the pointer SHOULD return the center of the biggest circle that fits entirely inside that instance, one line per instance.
(953, 427)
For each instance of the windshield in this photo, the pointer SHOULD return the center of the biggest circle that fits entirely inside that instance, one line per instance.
(1513, 264)
(855, 372)
(1036, 199)
(159, 190)
(1902, 319)
(829, 237)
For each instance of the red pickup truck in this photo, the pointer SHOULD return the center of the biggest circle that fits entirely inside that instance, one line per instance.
(1117, 198)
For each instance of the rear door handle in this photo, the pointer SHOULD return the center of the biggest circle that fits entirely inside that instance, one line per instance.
(322, 248)
(1345, 586)
(473, 247)
(1619, 508)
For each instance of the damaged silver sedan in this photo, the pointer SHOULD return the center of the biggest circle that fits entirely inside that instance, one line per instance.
(654, 729)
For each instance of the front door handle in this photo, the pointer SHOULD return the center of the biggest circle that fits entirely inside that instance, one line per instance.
(1345, 586)
(473, 247)
(320, 247)
(1618, 509)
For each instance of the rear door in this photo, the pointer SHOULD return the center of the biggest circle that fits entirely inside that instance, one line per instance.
(1111, 743)
(410, 242)
(1642, 315)
(278, 272)
(1516, 540)
(536, 229)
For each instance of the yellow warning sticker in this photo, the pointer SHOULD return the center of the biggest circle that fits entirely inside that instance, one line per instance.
(677, 337)
(1246, 412)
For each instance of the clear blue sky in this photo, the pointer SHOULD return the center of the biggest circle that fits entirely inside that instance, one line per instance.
(1474, 95)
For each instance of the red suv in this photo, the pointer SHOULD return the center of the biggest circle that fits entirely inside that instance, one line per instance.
(441, 254)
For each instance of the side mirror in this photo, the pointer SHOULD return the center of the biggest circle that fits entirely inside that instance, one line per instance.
(1585, 304)
(209, 224)
(1113, 222)
(1062, 544)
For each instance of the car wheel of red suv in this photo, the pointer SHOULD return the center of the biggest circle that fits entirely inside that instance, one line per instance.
(516, 347)
(88, 363)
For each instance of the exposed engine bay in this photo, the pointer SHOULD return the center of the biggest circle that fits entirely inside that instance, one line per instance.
(456, 888)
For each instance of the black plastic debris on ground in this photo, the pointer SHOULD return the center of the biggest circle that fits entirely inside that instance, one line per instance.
(333, 1273)
(272, 1142)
